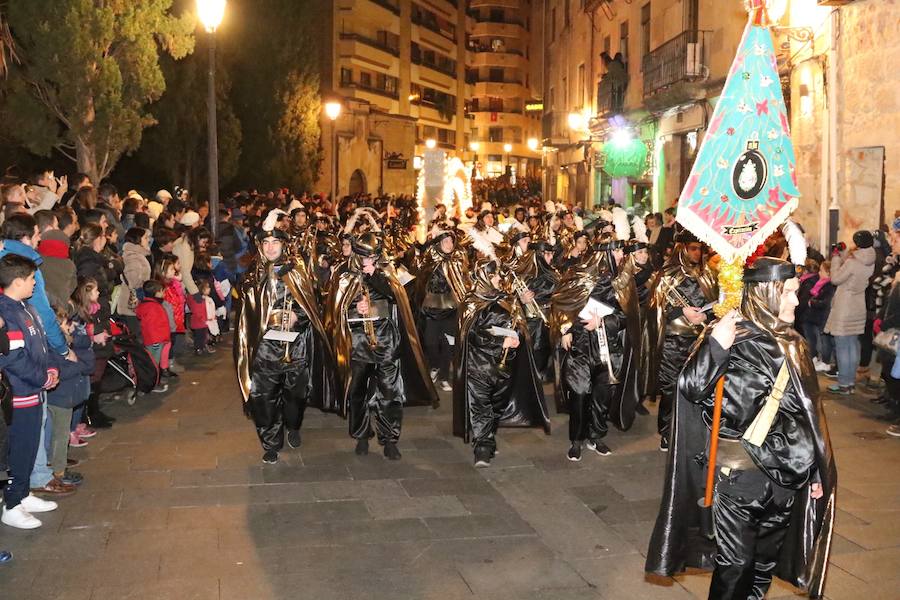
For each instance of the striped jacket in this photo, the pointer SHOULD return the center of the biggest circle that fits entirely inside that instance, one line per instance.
(27, 365)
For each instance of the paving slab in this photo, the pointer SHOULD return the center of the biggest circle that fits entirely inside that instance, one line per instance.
(177, 505)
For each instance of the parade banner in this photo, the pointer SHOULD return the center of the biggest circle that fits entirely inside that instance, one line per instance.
(743, 185)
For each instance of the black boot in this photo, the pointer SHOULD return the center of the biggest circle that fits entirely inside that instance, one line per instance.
(95, 417)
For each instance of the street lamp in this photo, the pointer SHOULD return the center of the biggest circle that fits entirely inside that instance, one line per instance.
(430, 143)
(333, 111)
(474, 147)
(211, 13)
(533, 144)
(507, 148)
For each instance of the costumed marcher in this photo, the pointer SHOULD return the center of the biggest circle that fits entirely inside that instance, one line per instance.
(441, 286)
(283, 358)
(494, 344)
(535, 280)
(379, 356)
(683, 287)
(775, 481)
(588, 323)
(639, 268)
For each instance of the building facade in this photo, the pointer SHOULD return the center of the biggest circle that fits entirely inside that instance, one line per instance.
(504, 101)
(422, 75)
(629, 88)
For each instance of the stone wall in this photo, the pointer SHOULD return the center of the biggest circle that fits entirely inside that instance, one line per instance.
(869, 105)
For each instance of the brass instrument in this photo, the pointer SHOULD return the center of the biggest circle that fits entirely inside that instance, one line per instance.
(286, 325)
(368, 324)
(520, 289)
(673, 296)
(281, 318)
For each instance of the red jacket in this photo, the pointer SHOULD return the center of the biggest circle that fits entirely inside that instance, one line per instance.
(175, 297)
(154, 322)
(198, 312)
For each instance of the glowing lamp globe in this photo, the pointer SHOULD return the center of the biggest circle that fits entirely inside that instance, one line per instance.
(211, 13)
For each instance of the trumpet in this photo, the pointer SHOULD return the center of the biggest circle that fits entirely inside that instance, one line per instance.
(673, 296)
(521, 289)
(286, 326)
(368, 324)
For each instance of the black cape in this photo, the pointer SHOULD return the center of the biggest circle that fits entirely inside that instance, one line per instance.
(676, 542)
(527, 405)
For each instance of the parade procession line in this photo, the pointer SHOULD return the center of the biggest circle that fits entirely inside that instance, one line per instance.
(176, 505)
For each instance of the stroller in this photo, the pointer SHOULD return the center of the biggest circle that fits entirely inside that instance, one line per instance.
(131, 366)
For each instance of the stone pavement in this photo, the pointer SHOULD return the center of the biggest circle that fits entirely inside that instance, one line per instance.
(177, 505)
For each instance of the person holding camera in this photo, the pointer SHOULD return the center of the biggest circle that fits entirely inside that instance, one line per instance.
(850, 273)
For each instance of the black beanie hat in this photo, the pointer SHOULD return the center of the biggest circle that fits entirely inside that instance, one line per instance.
(863, 239)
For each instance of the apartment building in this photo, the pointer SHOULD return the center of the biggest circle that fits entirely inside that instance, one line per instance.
(504, 105)
(413, 75)
(398, 69)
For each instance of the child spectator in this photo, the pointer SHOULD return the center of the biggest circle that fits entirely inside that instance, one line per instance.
(29, 373)
(91, 315)
(155, 327)
(815, 316)
(200, 317)
(73, 390)
(168, 271)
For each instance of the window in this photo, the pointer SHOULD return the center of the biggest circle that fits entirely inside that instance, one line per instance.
(550, 98)
(495, 134)
(565, 88)
(495, 104)
(567, 13)
(496, 75)
(496, 15)
(580, 90)
(623, 40)
(365, 79)
(346, 76)
(645, 29)
(607, 44)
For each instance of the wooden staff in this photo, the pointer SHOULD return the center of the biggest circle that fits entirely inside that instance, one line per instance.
(714, 442)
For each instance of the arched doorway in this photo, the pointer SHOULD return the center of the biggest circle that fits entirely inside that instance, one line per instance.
(357, 183)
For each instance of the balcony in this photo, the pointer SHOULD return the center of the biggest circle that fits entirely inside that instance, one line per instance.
(431, 24)
(511, 59)
(391, 5)
(509, 28)
(610, 98)
(371, 88)
(555, 128)
(372, 42)
(671, 70)
(496, 89)
(473, 4)
(447, 68)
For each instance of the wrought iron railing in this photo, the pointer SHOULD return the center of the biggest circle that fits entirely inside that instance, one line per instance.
(610, 97)
(683, 58)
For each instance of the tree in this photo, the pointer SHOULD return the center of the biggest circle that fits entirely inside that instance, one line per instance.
(298, 154)
(90, 69)
(177, 144)
(277, 99)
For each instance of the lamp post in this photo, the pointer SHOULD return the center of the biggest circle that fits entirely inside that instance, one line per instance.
(211, 13)
(333, 111)
(474, 146)
(533, 146)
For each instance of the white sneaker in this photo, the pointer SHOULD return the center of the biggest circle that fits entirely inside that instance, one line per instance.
(19, 518)
(33, 504)
(821, 367)
(445, 385)
(434, 374)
